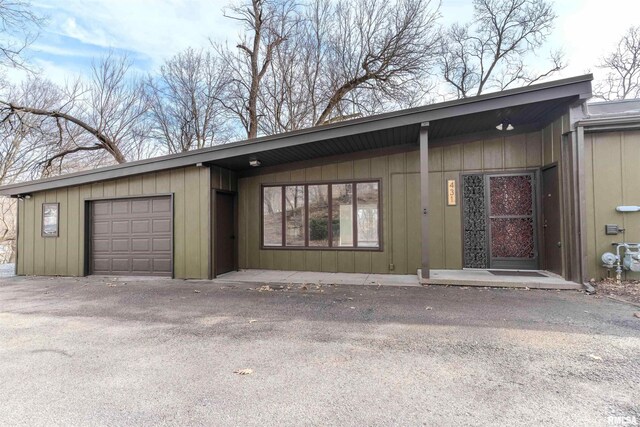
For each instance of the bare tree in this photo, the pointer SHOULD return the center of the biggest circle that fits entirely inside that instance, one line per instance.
(19, 27)
(289, 94)
(108, 111)
(490, 52)
(23, 142)
(185, 101)
(376, 45)
(345, 59)
(26, 138)
(267, 24)
(622, 67)
(7, 229)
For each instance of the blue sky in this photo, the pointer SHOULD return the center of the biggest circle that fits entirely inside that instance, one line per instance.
(150, 31)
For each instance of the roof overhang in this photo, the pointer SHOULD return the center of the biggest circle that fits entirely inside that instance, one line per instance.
(395, 128)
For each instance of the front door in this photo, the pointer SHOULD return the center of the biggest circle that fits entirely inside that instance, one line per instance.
(512, 226)
(551, 221)
(499, 221)
(225, 247)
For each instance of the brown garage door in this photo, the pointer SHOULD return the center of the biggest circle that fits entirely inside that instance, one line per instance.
(131, 237)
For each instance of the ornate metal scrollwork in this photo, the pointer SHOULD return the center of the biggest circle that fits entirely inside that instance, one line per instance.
(475, 223)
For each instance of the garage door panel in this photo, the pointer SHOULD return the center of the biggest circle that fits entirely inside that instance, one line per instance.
(101, 265)
(140, 206)
(161, 244)
(131, 236)
(162, 265)
(119, 207)
(141, 265)
(120, 227)
(161, 225)
(120, 245)
(101, 208)
(101, 245)
(161, 206)
(140, 245)
(140, 226)
(101, 227)
(120, 265)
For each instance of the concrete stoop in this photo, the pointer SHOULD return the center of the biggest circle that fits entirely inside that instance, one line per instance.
(483, 278)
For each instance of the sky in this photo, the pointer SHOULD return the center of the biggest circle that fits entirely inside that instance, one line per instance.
(150, 31)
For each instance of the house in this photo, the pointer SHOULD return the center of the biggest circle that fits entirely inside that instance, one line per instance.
(498, 181)
(611, 158)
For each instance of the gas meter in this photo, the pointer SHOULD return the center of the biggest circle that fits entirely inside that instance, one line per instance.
(630, 261)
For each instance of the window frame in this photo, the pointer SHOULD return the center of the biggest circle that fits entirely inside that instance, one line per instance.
(330, 247)
(44, 207)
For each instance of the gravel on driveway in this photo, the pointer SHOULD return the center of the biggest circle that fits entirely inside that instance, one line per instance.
(99, 351)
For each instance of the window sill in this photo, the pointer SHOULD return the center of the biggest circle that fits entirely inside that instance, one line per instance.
(304, 248)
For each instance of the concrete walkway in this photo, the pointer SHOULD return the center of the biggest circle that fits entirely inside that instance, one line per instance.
(481, 278)
(280, 277)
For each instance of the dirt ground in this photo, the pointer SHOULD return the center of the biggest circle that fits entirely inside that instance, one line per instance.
(628, 290)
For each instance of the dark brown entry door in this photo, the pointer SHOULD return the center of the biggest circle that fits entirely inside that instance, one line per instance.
(131, 236)
(512, 221)
(225, 233)
(551, 221)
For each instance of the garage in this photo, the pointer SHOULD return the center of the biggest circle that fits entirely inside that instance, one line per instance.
(131, 236)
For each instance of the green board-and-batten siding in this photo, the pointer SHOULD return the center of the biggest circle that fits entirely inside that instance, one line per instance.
(192, 188)
(400, 189)
(612, 177)
(526, 151)
(65, 255)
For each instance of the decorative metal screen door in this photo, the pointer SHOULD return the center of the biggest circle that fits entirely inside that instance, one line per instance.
(511, 221)
(499, 225)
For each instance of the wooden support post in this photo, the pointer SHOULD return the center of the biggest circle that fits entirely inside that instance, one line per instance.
(582, 205)
(424, 196)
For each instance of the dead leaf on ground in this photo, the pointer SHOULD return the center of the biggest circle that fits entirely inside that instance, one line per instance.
(246, 371)
(265, 288)
(111, 285)
(252, 321)
(196, 291)
(429, 308)
(628, 290)
(637, 314)
(594, 357)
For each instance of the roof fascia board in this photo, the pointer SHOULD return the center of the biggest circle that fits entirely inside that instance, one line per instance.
(193, 158)
(514, 100)
(577, 86)
(604, 124)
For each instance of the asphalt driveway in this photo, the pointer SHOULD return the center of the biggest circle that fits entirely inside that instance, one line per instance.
(160, 352)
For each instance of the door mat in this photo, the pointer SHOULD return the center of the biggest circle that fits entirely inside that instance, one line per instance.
(516, 273)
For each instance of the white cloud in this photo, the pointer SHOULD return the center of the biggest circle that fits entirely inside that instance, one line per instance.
(589, 29)
(47, 69)
(155, 28)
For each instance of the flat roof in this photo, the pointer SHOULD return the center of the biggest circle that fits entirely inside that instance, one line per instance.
(612, 116)
(397, 127)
